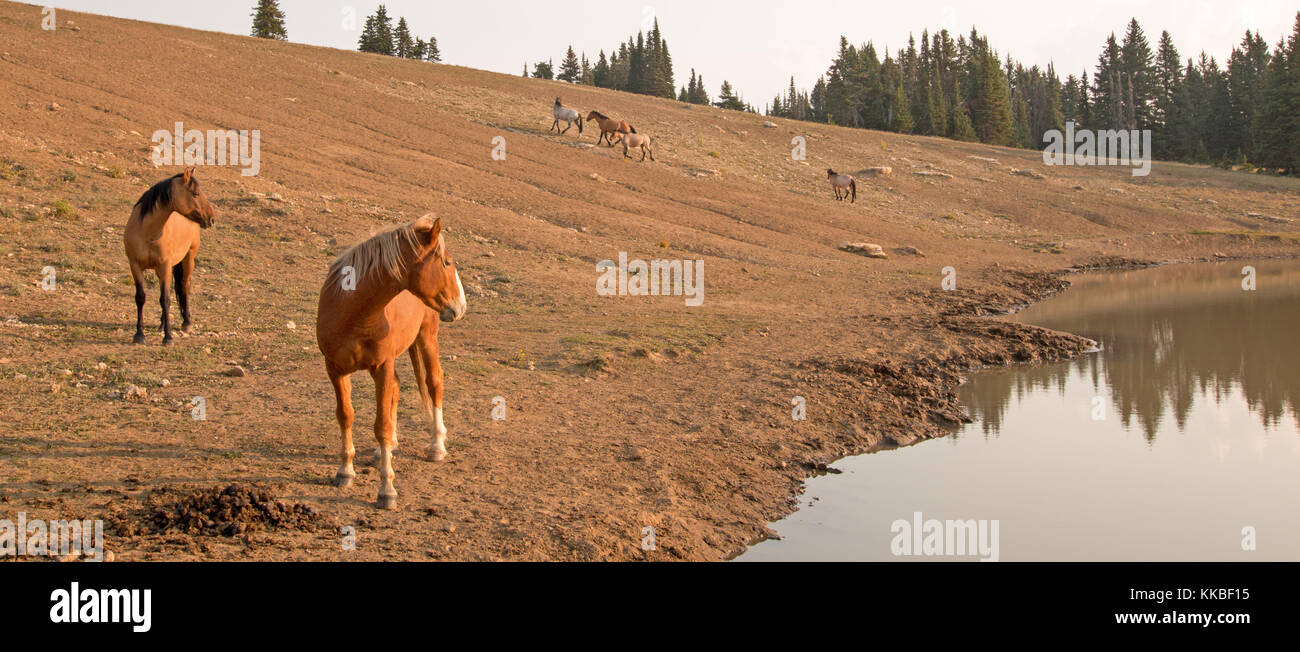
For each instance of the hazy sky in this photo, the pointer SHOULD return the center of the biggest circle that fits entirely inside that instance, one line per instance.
(756, 44)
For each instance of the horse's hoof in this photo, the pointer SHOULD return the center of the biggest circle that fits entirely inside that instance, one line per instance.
(187, 328)
(386, 502)
(343, 481)
(436, 454)
(168, 341)
(138, 339)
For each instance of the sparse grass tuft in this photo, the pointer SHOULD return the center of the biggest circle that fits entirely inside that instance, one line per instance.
(62, 209)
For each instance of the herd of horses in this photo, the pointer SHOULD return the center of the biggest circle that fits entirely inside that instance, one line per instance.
(627, 134)
(382, 297)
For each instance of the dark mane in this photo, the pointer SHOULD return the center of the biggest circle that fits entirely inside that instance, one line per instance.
(600, 115)
(159, 193)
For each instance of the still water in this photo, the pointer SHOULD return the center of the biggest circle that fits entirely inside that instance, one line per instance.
(1180, 434)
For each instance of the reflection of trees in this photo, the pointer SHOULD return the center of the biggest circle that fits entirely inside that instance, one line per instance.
(1172, 336)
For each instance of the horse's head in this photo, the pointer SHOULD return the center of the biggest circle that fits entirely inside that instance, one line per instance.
(557, 102)
(188, 200)
(829, 173)
(593, 115)
(433, 277)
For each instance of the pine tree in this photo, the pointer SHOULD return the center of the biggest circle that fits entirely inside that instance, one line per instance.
(433, 54)
(377, 36)
(600, 73)
(727, 98)
(570, 68)
(1277, 125)
(1137, 64)
(1247, 67)
(544, 70)
(268, 21)
(989, 94)
(403, 45)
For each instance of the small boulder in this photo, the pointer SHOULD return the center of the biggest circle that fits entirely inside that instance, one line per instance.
(864, 249)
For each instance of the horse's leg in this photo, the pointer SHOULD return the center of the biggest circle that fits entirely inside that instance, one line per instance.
(137, 275)
(343, 412)
(182, 273)
(643, 151)
(568, 124)
(385, 431)
(165, 282)
(652, 153)
(430, 372)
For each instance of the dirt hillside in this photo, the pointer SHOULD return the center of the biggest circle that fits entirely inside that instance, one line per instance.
(622, 412)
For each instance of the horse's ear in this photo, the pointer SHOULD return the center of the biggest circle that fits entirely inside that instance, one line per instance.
(189, 173)
(428, 227)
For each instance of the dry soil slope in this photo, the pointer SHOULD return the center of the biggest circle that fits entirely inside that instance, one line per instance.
(353, 141)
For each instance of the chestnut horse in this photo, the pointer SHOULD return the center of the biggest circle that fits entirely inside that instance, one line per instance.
(844, 186)
(382, 297)
(609, 126)
(636, 140)
(162, 235)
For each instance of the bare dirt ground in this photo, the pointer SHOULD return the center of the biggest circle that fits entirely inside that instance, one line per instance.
(622, 412)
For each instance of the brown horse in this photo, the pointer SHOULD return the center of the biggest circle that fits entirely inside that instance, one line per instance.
(844, 186)
(382, 297)
(609, 127)
(635, 140)
(162, 235)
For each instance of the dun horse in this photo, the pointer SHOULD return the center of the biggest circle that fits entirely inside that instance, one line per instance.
(845, 186)
(609, 127)
(636, 140)
(162, 235)
(569, 116)
(384, 297)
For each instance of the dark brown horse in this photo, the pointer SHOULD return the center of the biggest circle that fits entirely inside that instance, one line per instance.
(384, 297)
(162, 235)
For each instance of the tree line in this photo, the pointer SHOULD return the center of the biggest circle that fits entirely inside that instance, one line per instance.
(643, 65)
(1246, 113)
(378, 36)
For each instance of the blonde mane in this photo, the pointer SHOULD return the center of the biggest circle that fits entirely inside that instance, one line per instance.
(381, 252)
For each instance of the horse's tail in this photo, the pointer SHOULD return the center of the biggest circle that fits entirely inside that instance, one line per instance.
(422, 377)
(853, 187)
(632, 128)
(579, 123)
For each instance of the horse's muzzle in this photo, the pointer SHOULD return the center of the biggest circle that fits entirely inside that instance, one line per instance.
(451, 314)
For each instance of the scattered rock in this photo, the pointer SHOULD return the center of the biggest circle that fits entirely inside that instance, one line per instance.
(864, 249)
(291, 326)
(1027, 173)
(135, 393)
(235, 372)
(769, 124)
(879, 171)
(932, 174)
(54, 106)
(908, 251)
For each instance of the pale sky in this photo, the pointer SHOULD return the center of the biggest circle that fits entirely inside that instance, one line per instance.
(756, 44)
